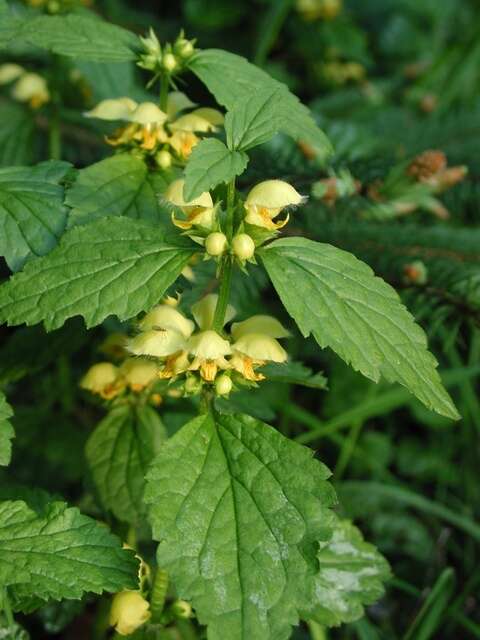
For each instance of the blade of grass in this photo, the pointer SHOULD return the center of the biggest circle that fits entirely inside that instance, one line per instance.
(433, 610)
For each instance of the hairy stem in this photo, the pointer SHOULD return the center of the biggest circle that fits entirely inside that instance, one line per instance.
(164, 82)
(159, 594)
(224, 294)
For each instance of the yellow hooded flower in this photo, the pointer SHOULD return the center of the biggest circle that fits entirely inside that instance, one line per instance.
(159, 344)
(164, 316)
(184, 138)
(10, 72)
(31, 88)
(209, 350)
(129, 611)
(266, 200)
(103, 379)
(204, 311)
(177, 102)
(256, 344)
(113, 109)
(199, 211)
(138, 373)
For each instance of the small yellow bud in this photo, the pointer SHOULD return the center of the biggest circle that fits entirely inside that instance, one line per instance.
(181, 609)
(192, 385)
(163, 159)
(223, 385)
(169, 62)
(243, 246)
(216, 244)
(129, 611)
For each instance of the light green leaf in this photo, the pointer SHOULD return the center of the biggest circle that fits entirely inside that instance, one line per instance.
(238, 509)
(255, 118)
(210, 164)
(231, 78)
(60, 553)
(351, 574)
(6, 431)
(335, 296)
(118, 186)
(111, 266)
(292, 372)
(80, 36)
(119, 452)
(17, 129)
(32, 213)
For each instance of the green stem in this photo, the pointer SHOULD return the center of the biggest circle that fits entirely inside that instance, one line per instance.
(164, 82)
(159, 594)
(230, 208)
(317, 632)
(54, 136)
(223, 295)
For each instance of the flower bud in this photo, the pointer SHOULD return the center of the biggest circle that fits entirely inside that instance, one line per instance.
(223, 385)
(243, 246)
(184, 48)
(169, 62)
(163, 159)
(181, 609)
(129, 611)
(216, 243)
(192, 385)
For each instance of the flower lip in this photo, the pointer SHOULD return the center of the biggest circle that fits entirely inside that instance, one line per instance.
(177, 101)
(174, 194)
(204, 311)
(157, 343)
(201, 120)
(209, 345)
(263, 324)
(113, 109)
(260, 347)
(147, 113)
(167, 317)
(273, 194)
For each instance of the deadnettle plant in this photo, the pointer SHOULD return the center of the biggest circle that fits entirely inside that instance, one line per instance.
(248, 538)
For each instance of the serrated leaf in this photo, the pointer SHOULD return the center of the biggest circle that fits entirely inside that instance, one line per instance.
(114, 266)
(231, 78)
(119, 453)
(238, 509)
(255, 119)
(6, 431)
(79, 36)
(210, 164)
(351, 574)
(60, 553)
(32, 213)
(17, 128)
(118, 186)
(292, 372)
(337, 298)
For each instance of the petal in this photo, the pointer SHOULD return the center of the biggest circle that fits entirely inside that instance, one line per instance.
(209, 345)
(177, 101)
(273, 194)
(157, 343)
(147, 113)
(117, 109)
(10, 72)
(267, 325)
(99, 376)
(29, 86)
(167, 317)
(192, 122)
(174, 194)
(259, 346)
(139, 371)
(204, 310)
(213, 116)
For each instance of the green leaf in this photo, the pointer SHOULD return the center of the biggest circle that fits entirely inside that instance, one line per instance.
(210, 164)
(79, 36)
(32, 213)
(119, 452)
(255, 118)
(337, 298)
(17, 129)
(351, 574)
(239, 509)
(60, 553)
(293, 373)
(118, 186)
(6, 431)
(9, 24)
(111, 266)
(231, 78)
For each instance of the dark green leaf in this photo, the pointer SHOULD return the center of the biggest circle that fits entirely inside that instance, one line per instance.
(210, 164)
(17, 130)
(294, 373)
(335, 296)
(118, 186)
(111, 266)
(6, 431)
(119, 452)
(32, 213)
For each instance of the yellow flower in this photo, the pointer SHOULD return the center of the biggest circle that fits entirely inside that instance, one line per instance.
(177, 102)
(31, 88)
(165, 316)
(267, 199)
(103, 379)
(184, 129)
(204, 311)
(159, 344)
(10, 72)
(199, 211)
(209, 349)
(113, 109)
(256, 344)
(129, 611)
(138, 373)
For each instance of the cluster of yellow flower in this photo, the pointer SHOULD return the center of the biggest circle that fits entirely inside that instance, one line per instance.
(169, 136)
(182, 349)
(30, 88)
(108, 380)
